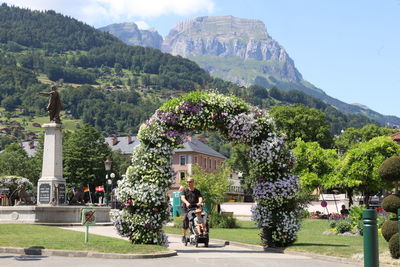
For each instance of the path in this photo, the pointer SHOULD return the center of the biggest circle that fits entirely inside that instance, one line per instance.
(217, 254)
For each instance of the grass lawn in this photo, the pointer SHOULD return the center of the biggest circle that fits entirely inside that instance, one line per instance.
(49, 237)
(69, 124)
(310, 238)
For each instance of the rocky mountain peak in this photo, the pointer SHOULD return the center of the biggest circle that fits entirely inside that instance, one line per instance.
(130, 33)
(228, 36)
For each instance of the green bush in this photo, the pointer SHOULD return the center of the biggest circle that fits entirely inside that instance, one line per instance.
(390, 169)
(382, 218)
(360, 227)
(343, 226)
(394, 246)
(305, 214)
(355, 214)
(389, 228)
(391, 203)
(217, 220)
(332, 224)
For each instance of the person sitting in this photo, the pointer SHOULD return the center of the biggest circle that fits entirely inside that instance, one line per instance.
(199, 223)
(344, 211)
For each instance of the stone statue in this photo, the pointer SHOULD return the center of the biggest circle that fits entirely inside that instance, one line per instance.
(54, 201)
(23, 195)
(78, 197)
(54, 107)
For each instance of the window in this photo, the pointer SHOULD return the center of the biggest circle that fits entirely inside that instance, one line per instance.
(209, 163)
(195, 160)
(183, 174)
(215, 164)
(183, 160)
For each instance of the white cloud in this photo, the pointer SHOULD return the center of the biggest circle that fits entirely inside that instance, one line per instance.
(94, 11)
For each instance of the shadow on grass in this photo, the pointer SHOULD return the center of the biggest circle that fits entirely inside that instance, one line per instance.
(317, 245)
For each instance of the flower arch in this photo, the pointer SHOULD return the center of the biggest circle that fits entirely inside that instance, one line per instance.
(143, 190)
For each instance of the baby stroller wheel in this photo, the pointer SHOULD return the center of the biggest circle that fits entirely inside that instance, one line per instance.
(206, 244)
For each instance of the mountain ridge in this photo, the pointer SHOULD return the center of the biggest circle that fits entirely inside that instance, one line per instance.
(241, 51)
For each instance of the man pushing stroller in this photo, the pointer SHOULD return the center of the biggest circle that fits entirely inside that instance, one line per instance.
(191, 198)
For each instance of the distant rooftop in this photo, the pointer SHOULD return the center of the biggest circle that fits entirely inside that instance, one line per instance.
(127, 144)
(195, 145)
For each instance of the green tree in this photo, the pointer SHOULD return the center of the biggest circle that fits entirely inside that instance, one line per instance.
(120, 163)
(298, 121)
(212, 185)
(314, 164)
(84, 154)
(351, 136)
(15, 161)
(10, 103)
(239, 162)
(359, 168)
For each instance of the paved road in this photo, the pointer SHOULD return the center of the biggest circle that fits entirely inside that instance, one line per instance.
(217, 254)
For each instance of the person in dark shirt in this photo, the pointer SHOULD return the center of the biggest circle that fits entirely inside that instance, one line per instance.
(344, 211)
(191, 198)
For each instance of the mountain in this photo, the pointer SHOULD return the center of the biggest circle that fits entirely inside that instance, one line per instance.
(107, 83)
(130, 33)
(241, 51)
(225, 37)
(49, 30)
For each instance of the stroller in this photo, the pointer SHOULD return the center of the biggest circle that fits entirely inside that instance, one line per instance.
(195, 238)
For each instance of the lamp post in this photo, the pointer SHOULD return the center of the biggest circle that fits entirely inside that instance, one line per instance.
(107, 166)
(109, 183)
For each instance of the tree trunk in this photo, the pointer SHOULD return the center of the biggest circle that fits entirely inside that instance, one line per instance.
(350, 196)
(366, 199)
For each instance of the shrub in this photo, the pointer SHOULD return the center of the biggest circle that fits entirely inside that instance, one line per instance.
(332, 224)
(383, 217)
(217, 220)
(389, 228)
(360, 227)
(355, 214)
(304, 214)
(391, 203)
(343, 226)
(394, 246)
(390, 169)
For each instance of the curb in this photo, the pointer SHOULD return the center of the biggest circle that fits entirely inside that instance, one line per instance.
(294, 252)
(89, 254)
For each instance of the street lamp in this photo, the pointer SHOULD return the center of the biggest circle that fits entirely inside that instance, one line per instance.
(107, 166)
(109, 183)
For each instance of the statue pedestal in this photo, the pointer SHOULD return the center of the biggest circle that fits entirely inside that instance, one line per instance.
(51, 185)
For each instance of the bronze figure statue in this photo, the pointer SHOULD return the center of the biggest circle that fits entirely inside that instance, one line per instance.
(54, 107)
(78, 197)
(23, 196)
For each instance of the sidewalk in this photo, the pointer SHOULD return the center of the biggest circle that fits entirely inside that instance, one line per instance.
(222, 248)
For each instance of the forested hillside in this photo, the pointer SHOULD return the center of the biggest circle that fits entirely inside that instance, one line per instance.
(106, 83)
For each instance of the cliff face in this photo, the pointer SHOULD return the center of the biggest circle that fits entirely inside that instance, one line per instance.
(231, 37)
(132, 35)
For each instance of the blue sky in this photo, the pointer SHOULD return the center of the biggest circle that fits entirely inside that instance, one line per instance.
(348, 48)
